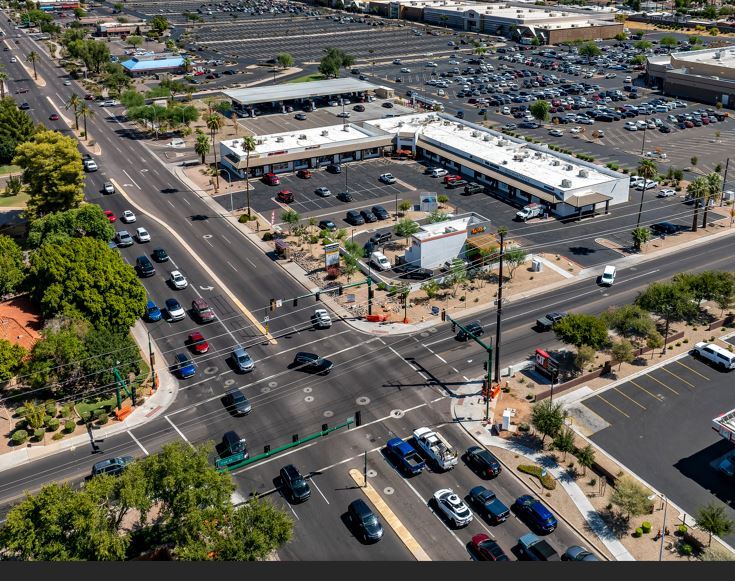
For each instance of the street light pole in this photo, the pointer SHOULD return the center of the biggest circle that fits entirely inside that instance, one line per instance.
(640, 206)
(663, 529)
(499, 311)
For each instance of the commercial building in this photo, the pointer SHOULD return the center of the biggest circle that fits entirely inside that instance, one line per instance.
(707, 75)
(725, 425)
(121, 29)
(153, 64)
(510, 19)
(48, 5)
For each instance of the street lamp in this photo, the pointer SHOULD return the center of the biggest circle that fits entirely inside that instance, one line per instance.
(663, 528)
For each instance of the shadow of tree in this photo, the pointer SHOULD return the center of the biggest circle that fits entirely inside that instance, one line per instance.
(569, 475)
(524, 443)
(607, 524)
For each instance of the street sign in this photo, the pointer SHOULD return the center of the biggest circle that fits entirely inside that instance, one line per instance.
(279, 303)
(230, 459)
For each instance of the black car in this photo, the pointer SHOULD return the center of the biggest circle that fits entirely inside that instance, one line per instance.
(327, 225)
(295, 484)
(529, 125)
(365, 521)
(236, 402)
(475, 328)
(344, 197)
(664, 129)
(232, 445)
(666, 228)
(470, 189)
(144, 266)
(334, 168)
(24, 106)
(381, 238)
(388, 105)
(417, 274)
(353, 217)
(359, 108)
(380, 212)
(483, 462)
(159, 255)
(368, 216)
(312, 363)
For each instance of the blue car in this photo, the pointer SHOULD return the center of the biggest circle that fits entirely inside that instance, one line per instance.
(185, 367)
(535, 513)
(152, 312)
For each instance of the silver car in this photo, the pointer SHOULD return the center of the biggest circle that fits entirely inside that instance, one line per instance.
(242, 360)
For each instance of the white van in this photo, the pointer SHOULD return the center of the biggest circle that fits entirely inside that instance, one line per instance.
(608, 276)
(380, 260)
(715, 354)
(439, 172)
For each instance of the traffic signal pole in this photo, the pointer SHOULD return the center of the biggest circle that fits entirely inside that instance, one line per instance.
(499, 311)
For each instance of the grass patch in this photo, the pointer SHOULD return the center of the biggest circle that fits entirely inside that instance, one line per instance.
(91, 406)
(308, 78)
(9, 169)
(18, 201)
(547, 481)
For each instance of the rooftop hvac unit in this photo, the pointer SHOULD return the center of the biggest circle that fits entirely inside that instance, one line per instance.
(475, 134)
(302, 136)
(717, 55)
(566, 183)
(487, 137)
(568, 167)
(583, 173)
(505, 162)
(279, 139)
(260, 141)
(325, 133)
(400, 124)
(555, 162)
(503, 142)
(538, 154)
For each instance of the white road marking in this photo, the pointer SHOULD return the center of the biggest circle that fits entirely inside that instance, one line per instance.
(175, 427)
(137, 442)
(251, 262)
(320, 490)
(131, 179)
(208, 242)
(226, 239)
(170, 202)
(232, 267)
(187, 202)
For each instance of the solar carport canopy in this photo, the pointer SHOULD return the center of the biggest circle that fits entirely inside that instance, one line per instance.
(291, 91)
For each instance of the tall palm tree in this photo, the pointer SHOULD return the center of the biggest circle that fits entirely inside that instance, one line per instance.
(714, 191)
(647, 170)
(214, 123)
(248, 144)
(85, 111)
(32, 58)
(3, 78)
(697, 191)
(201, 145)
(74, 103)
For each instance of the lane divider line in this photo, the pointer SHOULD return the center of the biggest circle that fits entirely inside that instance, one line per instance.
(138, 442)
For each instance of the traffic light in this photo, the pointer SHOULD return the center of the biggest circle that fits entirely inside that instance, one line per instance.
(266, 448)
(295, 438)
(341, 290)
(358, 418)
(444, 314)
(273, 305)
(296, 302)
(316, 295)
(325, 427)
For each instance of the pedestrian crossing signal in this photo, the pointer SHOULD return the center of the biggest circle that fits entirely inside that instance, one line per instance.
(444, 314)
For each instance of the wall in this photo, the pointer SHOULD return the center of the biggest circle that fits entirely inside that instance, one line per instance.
(586, 33)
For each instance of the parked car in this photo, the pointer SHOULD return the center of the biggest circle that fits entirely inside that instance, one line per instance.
(197, 342)
(353, 217)
(535, 513)
(666, 228)
(184, 366)
(237, 403)
(334, 168)
(323, 192)
(304, 173)
(368, 216)
(380, 212)
(666, 193)
(285, 196)
(271, 179)
(327, 225)
(387, 178)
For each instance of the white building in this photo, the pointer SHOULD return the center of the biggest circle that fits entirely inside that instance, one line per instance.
(434, 244)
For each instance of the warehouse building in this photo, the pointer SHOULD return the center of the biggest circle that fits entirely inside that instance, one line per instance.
(707, 75)
(153, 64)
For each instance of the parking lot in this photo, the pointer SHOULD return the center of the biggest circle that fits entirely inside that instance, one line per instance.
(175, 10)
(658, 425)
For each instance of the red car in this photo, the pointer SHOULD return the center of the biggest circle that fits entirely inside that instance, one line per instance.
(486, 549)
(54, 116)
(285, 196)
(110, 215)
(450, 178)
(304, 173)
(198, 343)
(88, 97)
(271, 179)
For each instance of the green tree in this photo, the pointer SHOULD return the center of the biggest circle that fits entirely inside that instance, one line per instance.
(654, 341)
(670, 300)
(406, 228)
(107, 348)
(54, 361)
(132, 98)
(59, 227)
(641, 236)
(115, 79)
(631, 497)
(159, 24)
(642, 45)
(329, 66)
(74, 103)
(52, 169)
(590, 50)
(698, 191)
(630, 321)
(16, 127)
(33, 58)
(12, 268)
(349, 266)
(714, 191)
(548, 418)
(457, 274)
(3, 77)
(584, 356)
(431, 288)
(621, 36)
(214, 123)
(290, 217)
(710, 285)
(540, 110)
(585, 457)
(93, 53)
(622, 352)
(84, 278)
(284, 60)
(712, 519)
(202, 144)
(134, 40)
(668, 41)
(638, 59)
(564, 441)
(648, 170)
(514, 257)
(581, 329)
(11, 359)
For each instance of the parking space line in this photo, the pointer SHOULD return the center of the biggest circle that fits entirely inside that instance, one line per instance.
(614, 406)
(692, 370)
(653, 395)
(677, 377)
(390, 517)
(625, 395)
(661, 383)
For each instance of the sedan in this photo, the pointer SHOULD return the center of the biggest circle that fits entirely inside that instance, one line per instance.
(486, 549)
(535, 513)
(67, 83)
(54, 117)
(178, 280)
(128, 217)
(380, 212)
(312, 363)
(577, 553)
(236, 402)
(343, 114)
(344, 197)
(575, 130)
(110, 215)
(142, 235)
(304, 173)
(185, 367)
(197, 342)
(300, 116)
(368, 216)
(175, 310)
(556, 132)
(452, 507)
(323, 192)
(666, 193)
(108, 188)
(159, 255)
(327, 225)
(124, 239)
(387, 178)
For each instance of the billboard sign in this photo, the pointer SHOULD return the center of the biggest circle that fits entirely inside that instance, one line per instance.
(331, 254)
(545, 364)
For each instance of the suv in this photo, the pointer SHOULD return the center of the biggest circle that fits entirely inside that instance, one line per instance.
(353, 217)
(237, 403)
(202, 311)
(242, 360)
(387, 178)
(380, 212)
(321, 318)
(124, 239)
(381, 237)
(470, 189)
(483, 462)
(334, 168)
(152, 312)
(312, 363)
(453, 507)
(296, 485)
(475, 328)
(666, 228)
(112, 466)
(233, 444)
(271, 179)
(537, 515)
(90, 165)
(144, 266)
(285, 196)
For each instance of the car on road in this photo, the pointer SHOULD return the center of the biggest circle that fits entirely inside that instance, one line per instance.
(353, 217)
(323, 192)
(124, 239)
(416, 273)
(666, 228)
(452, 507)
(108, 188)
(185, 366)
(159, 255)
(175, 310)
(110, 215)
(89, 165)
(483, 462)
(344, 197)
(67, 83)
(364, 521)
(201, 310)
(387, 105)
(197, 342)
(359, 108)
(152, 312)
(608, 275)
(535, 514)
(494, 511)
(24, 106)
(321, 319)
(483, 548)
(237, 403)
(474, 328)
(300, 116)
(577, 553)
(327, 225)
(312, 363)
(54, 117)
(178, 280)
(285, 196)
(144, 266)
(242, 359)
(234, 445)
(368, 216)
(546, 322)
(128, 217)
(142, 235)
(343, 114)
(13, 59)
(112, 466)
(387, 178)
(295, 485)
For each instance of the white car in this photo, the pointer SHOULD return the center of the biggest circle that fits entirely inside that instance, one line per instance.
(13, 60)
(647, 184)
(635, 180)
(142, 235)
(67, 83)
(432, 65)
(322, 320)
(108, 188)
(556, 132)
(667, 193)
(610, 75)
(387, 178)
(441, 93)
(631, 126)
(405, 70)
(323, 192)
(128, 217)
(575, 130)
(453, 507)
(505, 110)
(177, 280)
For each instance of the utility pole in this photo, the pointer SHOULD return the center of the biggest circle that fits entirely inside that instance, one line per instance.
(663, 530)
(364, 470)
(724, 179)
(502, 231)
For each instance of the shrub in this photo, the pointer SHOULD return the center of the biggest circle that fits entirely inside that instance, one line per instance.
(69, 426)
(141, 401)
(102, 420)
(57, 436)
(66, 411)
(547, 481)
(86, 416)
(524, 427)
(646, 527)
(20, 412)
(50, 407)
(52, 424)
(267, 237)
(38, 434)
(638, 532)
(243, 219)
(686, 549)
(19, 437)
(682, 529)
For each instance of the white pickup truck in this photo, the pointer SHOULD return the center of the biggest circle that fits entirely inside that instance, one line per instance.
(530, 211)
(436, 448)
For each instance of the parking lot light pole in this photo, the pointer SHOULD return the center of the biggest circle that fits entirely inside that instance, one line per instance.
(663, 529)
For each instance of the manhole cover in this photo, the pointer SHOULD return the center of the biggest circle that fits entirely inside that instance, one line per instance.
(372, 473)
(362, 400)
(272, 384)
(308, 389)
(210, 370)
(388, 490)
(229, 382)
(433, 330)
(397, 413)
(265, 390)
(309, 398)
(328, 414)
(424, 334)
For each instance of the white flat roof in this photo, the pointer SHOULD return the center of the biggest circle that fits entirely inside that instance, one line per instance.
(530, 14)
(439, 228)
(530, 162)
(708, 56)
(288, 91)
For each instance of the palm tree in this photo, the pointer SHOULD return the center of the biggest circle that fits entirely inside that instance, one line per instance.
(73, 103)
(187, 64)
(85, 112)
(647, 170)
(248, 144)
(32, 58)
(714, 190)
(201, 145)
(697, 190)
(214, 124)
(3, 78)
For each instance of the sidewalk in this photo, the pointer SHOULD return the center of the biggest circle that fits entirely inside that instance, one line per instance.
(474, 414)
(153, 407)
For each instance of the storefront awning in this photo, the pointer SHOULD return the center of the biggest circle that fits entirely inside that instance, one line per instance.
(587, 199)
